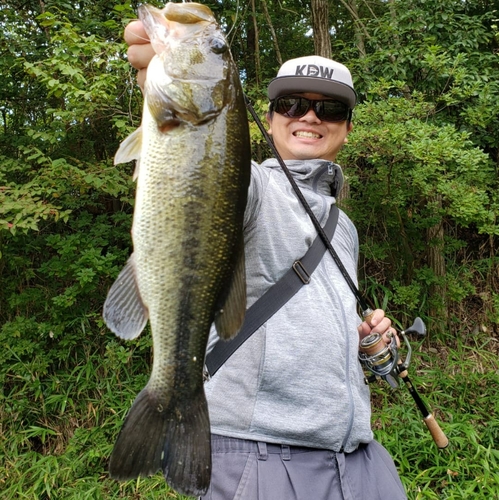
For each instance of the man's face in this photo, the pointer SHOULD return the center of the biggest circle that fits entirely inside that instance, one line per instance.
(307, 137)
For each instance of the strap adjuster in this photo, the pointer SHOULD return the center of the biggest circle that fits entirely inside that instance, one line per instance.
(302, 273)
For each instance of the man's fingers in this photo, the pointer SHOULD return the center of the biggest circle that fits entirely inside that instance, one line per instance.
(140, 56)
(140, 51)
(135, 33)
(389, 335)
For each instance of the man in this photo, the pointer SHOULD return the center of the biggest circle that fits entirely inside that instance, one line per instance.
(290, 411)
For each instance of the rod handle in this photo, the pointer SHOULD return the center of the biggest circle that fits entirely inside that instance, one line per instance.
(436, 432)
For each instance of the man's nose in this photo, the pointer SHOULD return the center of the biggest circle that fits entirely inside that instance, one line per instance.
(310, 116)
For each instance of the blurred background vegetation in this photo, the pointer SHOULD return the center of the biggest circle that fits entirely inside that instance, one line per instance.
(422, 168)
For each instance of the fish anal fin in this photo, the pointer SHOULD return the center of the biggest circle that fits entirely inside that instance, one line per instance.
(175, 439)
(229, 319)
(124, 312)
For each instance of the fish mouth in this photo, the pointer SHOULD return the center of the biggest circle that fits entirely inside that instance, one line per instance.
(306, 134)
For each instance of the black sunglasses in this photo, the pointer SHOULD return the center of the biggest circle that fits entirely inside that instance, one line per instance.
(325, 109)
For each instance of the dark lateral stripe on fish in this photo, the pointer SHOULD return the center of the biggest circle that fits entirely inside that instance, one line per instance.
(188, 242)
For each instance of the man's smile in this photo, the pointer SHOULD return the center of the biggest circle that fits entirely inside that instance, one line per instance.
(307, 134)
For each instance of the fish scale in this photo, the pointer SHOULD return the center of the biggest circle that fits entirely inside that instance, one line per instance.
(187, 266)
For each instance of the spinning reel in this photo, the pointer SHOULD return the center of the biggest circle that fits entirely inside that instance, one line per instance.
(383, 361)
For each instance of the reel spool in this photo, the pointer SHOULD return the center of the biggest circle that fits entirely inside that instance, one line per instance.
(377, 356)
(382, 359)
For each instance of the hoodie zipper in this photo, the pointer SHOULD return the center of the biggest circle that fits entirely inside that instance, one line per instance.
(329, 167)
(315, 182)
(350, 396)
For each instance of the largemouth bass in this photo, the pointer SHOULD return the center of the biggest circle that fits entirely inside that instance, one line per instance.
(187, 267)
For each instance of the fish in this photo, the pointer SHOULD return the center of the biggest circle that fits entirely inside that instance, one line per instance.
(187, 269)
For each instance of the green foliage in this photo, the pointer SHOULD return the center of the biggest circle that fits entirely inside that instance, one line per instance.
(424, 154)
(63, 421)
(62, 119)
(408, 174)
(454, 378)
(62, 424)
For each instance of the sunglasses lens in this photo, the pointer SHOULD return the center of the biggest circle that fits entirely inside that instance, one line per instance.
(293, 107)
(331, 111)
(326, 110)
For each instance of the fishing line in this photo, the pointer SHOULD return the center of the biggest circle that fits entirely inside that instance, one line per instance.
(397, 368)
(366, 310)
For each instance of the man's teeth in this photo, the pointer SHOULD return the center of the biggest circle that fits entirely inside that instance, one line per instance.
(311, 135)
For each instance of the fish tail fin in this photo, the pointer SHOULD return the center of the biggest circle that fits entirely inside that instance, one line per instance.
(139, 447)
(187, 452)
(175, 439)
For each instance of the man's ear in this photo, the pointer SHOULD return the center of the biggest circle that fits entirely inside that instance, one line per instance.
(268, 117)
(349, 129)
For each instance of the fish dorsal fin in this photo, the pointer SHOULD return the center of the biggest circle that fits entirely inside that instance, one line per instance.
(124, 312)
(229, 319)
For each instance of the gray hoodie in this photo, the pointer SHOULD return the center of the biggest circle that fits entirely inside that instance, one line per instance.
(296, 380)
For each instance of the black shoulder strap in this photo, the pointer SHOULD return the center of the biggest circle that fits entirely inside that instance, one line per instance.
(274, 298)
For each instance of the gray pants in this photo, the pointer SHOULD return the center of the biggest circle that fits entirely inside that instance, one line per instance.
(248, 470)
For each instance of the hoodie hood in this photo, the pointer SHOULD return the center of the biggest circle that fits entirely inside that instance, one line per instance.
(323, 176)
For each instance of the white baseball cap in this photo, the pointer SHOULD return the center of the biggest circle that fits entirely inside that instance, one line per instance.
(314, 74)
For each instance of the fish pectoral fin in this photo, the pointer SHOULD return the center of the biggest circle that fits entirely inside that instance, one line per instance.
(175, 439)
(229, 319)
(130, 148)
(124, 312)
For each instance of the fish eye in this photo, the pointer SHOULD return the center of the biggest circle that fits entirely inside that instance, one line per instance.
(218, 45)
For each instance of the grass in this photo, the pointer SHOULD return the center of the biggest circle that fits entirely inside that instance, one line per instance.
(457, 378)
(58, 426)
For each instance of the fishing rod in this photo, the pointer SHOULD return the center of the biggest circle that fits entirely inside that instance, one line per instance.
(383, 361)
(366, 310)
(380, 359)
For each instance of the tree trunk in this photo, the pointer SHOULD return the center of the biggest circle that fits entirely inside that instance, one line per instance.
(436, 262)
(272, 32)
(253, 46)
(258, 72)
(320, 26)
(359, 31)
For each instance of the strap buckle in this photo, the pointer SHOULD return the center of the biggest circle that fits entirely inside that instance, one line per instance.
(302, 273)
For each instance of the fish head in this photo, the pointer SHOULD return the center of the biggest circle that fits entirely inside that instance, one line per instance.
(190, 77)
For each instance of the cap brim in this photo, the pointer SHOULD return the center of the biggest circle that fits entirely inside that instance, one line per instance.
(285, 85)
